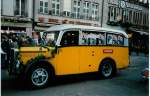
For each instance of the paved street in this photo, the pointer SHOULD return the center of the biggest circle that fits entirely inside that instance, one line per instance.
(128, 82)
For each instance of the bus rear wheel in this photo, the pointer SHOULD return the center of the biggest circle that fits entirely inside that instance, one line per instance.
(107, 69)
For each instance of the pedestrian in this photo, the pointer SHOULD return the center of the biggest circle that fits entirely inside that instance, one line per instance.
(30, 41)
(43, 40)
(15, 42)
(6, 47)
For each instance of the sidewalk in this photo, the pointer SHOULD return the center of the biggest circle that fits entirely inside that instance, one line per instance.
(139, 60)
(139, 54)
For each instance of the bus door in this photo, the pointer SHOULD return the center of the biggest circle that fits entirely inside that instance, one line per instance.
(68, 56)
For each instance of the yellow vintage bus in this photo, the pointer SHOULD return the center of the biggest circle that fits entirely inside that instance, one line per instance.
(72, 49)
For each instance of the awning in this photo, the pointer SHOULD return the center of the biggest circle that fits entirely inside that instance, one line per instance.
(141, 32)
(11, 24)
(40, 28)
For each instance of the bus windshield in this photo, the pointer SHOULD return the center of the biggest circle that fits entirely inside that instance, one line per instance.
(49, 38)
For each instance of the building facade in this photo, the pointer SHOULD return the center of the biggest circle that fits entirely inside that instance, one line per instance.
(38, 15)
(131, 16)
(100, 13)
(16, 16)
(126, 12)
(51, 12)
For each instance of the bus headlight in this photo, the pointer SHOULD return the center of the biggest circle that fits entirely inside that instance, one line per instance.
(17, 64)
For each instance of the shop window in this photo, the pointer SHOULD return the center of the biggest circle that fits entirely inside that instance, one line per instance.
(70, 38)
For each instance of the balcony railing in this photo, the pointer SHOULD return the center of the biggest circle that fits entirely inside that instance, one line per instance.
(139, 3)
(23, 13)
(70, 15)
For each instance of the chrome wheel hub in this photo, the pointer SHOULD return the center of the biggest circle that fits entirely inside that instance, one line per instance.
(39, 76)
(107, 70)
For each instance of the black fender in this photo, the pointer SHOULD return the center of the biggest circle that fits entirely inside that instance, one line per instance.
(43, 61)
(110, 59)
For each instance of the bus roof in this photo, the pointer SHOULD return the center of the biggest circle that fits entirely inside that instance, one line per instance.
(68, 26)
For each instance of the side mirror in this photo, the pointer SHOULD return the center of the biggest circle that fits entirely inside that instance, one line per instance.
(56, 50)
(45, 47)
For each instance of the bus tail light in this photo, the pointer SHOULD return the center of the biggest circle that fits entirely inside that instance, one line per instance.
(107, 51)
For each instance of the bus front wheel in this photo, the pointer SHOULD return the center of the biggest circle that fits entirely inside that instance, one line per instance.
(38, 76)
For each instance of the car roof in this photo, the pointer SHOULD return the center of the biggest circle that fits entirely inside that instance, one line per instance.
(71, 26)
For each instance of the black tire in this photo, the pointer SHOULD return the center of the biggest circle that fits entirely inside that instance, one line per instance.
(107, 69)
(37, 73)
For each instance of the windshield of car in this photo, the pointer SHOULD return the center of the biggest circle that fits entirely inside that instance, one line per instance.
(49, 38)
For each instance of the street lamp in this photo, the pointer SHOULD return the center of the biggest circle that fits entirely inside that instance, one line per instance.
(33, 15)
(102, 13)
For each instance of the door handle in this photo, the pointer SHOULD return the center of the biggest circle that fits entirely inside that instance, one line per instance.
(93, 53)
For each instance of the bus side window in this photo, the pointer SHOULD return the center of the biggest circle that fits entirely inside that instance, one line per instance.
(112, 39)
(115, 40)
(101, 39)
(70, 38)
(126, 43)
(109, 39)
(92, 38)
(120, 40)
(85, 39)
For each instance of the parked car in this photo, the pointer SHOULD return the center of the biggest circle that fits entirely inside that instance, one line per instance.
(145, 74)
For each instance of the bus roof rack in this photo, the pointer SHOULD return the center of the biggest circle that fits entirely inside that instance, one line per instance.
(68, 26)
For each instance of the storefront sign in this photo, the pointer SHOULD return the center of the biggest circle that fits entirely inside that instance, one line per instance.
(16, 24)
(71, 22)
(50, 20)
(82, 23)
(57, 21)
(129, 5)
